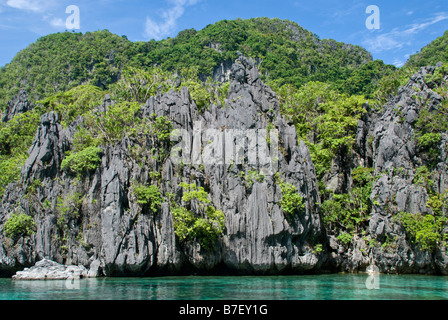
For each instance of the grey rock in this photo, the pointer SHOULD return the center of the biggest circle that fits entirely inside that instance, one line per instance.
(395, 158)
(50, 270)
(47, 151)
(120, 238)
(113, 235)
(17, 106)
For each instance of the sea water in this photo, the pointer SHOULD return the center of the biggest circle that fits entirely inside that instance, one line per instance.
(303, 287)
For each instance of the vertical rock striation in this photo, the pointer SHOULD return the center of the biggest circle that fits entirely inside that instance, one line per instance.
(112, 235)
(241, 152)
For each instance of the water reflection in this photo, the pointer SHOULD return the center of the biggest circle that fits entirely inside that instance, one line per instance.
(316, 287)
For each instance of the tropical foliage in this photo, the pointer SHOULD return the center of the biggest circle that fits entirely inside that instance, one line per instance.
(148, 195)
(62, 61)
(19, 225)
(325, 119)
(424, 230)
(197, 219)
(346, 214)
(324, 88)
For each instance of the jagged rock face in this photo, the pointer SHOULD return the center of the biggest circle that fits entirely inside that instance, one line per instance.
(16, 106)
(47, 151)
(393, 154)
(216, 149)
(113, 236)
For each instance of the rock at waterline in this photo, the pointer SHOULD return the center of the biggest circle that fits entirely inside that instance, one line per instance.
(50, 270)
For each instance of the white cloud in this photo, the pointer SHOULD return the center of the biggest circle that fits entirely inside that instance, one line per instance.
(57, 23)
(384, 42)
(345, 10)
(31, 5)
(400, 62)
(400, 37)
(414, 28)
(40, 8)
(158, 30)
(6, 27)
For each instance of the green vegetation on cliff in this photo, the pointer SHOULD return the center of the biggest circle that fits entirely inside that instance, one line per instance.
(325, 119)
(286, 52)
(19, 225)
(324, 87)
(430, 55)
(197, 219)
(61, 61)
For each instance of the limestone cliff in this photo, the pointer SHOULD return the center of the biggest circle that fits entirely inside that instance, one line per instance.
(114, 234)
(238, 152)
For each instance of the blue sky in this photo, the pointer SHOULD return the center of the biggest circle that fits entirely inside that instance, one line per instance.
(404, 26)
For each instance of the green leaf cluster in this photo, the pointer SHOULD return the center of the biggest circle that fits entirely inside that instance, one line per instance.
(119, 120)
(69, 206)
(347, 214)
(188, 226)
(19, 225)
(82, 161)
(61, 61)
(367, 78)
(287, 53)
(251, 177)
(161, 128)
(292, 201)
(148, 195)
(16, 137)
(74, 102)
(325, 119)
(438, 203)
(203, 93)
(202, 222)
(433, 122)
(437, 80)
(137, 85)
(430, 55)
(17, 134)
(424, 230)
(423, 178)
(194, 193)
(427, 230)
(10, 167)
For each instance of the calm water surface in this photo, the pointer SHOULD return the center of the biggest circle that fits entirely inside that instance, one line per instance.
(315, 287)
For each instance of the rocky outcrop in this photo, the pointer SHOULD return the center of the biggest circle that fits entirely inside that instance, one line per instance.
(396, 160)
(387, 143)
(50, 270)
(16, 106)
(111, 233)
(238, 151)
(47, 151)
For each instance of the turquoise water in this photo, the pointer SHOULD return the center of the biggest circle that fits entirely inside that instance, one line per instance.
(313, 287)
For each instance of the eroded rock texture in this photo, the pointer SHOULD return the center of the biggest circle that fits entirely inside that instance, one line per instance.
(228, 150)
(113, 235)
